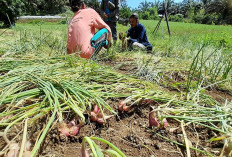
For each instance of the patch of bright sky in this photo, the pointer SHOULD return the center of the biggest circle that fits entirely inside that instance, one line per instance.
(135, 3)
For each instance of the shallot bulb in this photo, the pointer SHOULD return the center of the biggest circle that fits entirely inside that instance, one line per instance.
(126, 108)
(14, 150)
(70, 129)
(154, 121)
(96, 116)
(63, 129)
(74, 130)
(165, 122)
(120, 107)
(27, 152)
(123, 107)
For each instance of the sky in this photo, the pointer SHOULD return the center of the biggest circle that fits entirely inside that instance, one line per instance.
(135, 3)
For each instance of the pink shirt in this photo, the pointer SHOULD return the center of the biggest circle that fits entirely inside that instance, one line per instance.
(82, 29)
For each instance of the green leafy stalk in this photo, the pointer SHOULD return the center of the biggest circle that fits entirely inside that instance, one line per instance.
(110, 144)
(90, 142)
(37, 145)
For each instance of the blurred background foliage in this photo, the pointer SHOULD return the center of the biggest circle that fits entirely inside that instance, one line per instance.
(189, 11)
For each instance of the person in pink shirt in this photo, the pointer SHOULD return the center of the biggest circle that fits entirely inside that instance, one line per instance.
(81, 31)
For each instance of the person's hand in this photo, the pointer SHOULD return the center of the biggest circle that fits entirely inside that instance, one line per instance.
(124, 43)
(122, 35)
(106, 16)
(108, 45)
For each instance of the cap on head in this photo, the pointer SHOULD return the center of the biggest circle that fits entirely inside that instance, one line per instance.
(135, 15)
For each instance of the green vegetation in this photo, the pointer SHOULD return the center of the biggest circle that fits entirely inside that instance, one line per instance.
(39, 81)
(195, 11)
(97, 151)
(10, 9)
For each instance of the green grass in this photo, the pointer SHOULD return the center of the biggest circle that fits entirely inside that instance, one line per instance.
(44, 39)
(187, 37)
(184, 36)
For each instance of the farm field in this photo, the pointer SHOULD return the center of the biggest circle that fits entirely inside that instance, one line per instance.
(183, 87)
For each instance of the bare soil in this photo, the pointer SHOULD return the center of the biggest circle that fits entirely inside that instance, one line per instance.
(129, 131)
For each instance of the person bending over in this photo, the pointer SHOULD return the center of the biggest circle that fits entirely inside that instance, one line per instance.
(137, 36)
(81, 31)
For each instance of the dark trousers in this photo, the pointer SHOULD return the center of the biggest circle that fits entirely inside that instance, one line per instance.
(113, 27)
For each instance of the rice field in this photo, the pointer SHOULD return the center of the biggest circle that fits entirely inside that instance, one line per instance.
(175, 101)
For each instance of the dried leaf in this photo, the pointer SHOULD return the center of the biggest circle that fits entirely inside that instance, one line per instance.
(171, 130)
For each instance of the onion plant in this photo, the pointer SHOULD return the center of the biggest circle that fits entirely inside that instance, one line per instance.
(51, 97)
(40, 82)
(208, 68)
(205, 112)
(213, 116)
(95, 149)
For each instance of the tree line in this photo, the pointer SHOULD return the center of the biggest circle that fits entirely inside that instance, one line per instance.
(195, 11)
(10, 9)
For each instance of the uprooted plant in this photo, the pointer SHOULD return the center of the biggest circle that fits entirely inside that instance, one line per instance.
(35, 97)
(208, 114)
